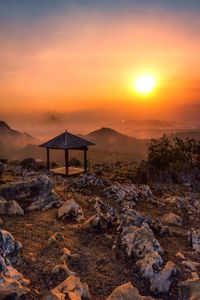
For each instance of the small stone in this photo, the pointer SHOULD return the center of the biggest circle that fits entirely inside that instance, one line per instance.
(172, 219)
(180, 255)
(62, 269)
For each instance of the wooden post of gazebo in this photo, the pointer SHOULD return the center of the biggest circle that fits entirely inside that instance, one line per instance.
(66, 161)
(85, 159)
(48, 167)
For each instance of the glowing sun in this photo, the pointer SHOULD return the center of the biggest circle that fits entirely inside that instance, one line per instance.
(145, 84)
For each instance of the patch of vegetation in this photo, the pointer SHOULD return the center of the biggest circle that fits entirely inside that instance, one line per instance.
(167, 155)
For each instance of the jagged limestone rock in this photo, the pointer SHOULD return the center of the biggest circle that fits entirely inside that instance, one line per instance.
(127, 292)
(71, 288)
(120, 192)
(12, 283)
(71, 210)
(89, 180)
(8, 245)
(10, 208)
(141, 243)
(161, 282)
(39, 190)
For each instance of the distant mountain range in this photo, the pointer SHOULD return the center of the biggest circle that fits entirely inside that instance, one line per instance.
(189, 134)
(12, 140)
(115, 142)
(110, 146)
(7, 132)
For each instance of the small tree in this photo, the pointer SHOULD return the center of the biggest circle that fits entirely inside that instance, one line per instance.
(161, 153)
(185, 149)
(164, 152)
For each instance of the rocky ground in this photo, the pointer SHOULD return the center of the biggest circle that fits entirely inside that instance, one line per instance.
(96, 236)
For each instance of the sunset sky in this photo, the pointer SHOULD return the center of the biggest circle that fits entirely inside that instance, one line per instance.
(76, 61)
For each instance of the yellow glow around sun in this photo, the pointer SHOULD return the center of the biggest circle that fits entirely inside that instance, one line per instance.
(145, 84)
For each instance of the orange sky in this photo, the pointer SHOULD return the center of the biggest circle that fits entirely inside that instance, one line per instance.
(89, 60)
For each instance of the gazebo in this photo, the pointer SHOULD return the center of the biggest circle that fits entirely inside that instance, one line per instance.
(67, 141)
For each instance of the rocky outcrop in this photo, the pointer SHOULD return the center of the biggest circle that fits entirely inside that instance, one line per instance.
(189, 289)
(8, 245)
(194, 239)
(105, 216)
(12, 283)
(39, 191)
(70, 210)
(10, 208)
(131, 217)
(89, 180)
(142, 244)
(44, 196)
(129, 192)
(127, 292)
(162, 281)
(71, 288)
(189, 203)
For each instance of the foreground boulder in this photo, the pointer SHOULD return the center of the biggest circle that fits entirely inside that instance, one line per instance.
(12, 283)
(10, 208)
(8, 245)
(38, 191)
(45, 197)
(189, 289)
(142, 244)
(162, 281)
(105, 217)
(71, 288)
(127, 292)
(120, 192)
(70, 210)
(132, 217)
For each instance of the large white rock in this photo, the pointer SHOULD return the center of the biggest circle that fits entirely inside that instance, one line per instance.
(141, 243)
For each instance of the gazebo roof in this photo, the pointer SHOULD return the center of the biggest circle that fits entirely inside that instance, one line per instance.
(66, 140)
